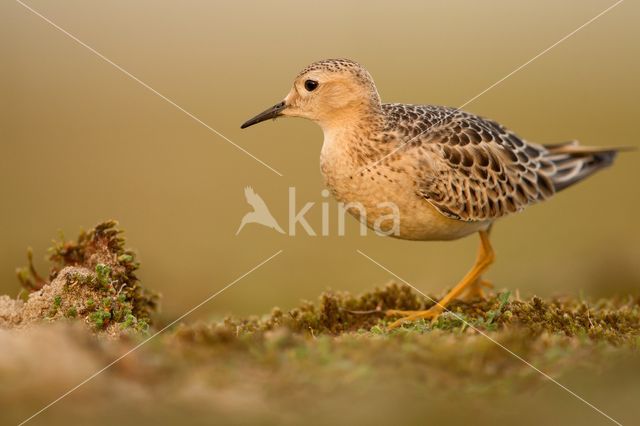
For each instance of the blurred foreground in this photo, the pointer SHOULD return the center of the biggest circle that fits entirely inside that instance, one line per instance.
(315, 364)
(333, 361)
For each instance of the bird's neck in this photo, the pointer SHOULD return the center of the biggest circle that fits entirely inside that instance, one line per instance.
(357, 121)
(349, 143)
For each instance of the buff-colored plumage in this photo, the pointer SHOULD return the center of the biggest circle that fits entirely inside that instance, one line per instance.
(477, 170)
(450, 173)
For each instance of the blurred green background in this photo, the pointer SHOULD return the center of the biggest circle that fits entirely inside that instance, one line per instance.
(82, 142)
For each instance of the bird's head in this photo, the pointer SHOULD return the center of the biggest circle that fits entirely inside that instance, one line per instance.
(328, 92)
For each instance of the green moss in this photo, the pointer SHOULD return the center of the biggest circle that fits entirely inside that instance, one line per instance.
(617, 322)
(345, 339)
(493, 314)
(102, 249)
(103, 282)
(103, 275)
(142, 326)
(100, 319)
(129, 321)
(125, 258)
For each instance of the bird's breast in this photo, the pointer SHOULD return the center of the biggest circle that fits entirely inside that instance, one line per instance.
(356, 178)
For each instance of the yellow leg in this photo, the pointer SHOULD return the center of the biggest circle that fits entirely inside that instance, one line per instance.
(475, 290)
(485, 258)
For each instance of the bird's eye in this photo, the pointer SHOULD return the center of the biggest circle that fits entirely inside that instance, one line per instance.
(310, 85)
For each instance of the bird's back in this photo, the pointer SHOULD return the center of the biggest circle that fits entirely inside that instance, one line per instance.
(475, 169)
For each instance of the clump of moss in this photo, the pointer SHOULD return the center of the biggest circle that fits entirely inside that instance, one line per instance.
(102, 249)
(92, 278)
(336, 312)
(347, 338)
(72, 312)
(617, 322)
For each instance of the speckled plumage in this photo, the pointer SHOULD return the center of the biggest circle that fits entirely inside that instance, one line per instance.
(424, 157)
(449, 173)
(470, 168)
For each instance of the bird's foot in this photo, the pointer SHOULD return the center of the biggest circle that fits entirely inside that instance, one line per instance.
(475, 290)
(409, 316)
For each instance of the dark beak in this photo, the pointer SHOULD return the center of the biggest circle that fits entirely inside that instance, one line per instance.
(272, 112)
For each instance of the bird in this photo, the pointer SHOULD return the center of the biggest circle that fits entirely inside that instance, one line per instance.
(260, 213)
(450, 173)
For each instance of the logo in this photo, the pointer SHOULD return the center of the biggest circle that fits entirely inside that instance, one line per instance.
(384, 220)
(260, 214)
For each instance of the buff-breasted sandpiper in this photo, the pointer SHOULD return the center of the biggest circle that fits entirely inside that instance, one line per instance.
(450, 173)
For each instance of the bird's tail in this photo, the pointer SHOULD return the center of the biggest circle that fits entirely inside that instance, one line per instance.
(574, 163)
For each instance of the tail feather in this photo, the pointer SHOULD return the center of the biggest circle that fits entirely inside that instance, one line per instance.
(574, 163)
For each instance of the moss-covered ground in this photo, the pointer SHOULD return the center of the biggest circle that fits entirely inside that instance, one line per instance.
(333, 361)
